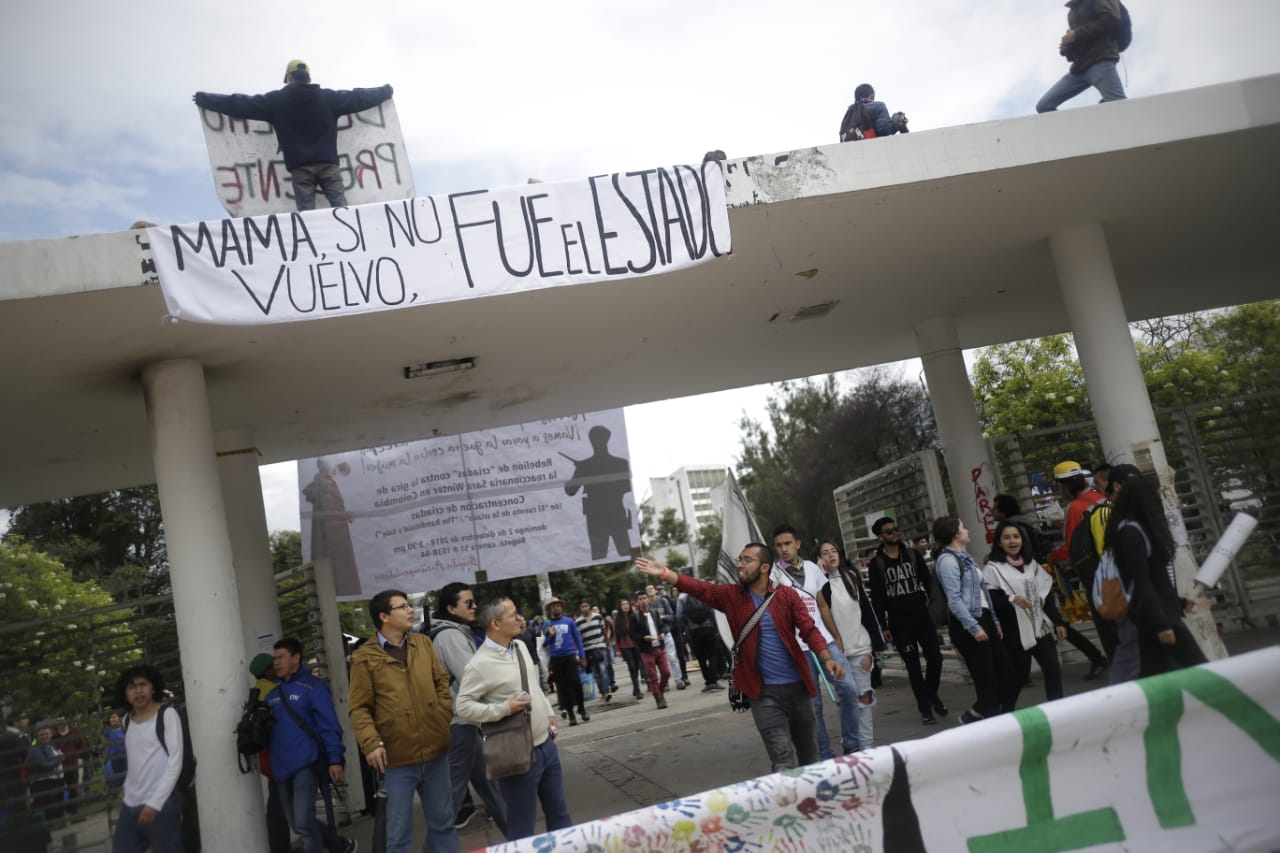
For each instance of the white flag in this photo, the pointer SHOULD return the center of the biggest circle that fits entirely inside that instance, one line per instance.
(737, 528)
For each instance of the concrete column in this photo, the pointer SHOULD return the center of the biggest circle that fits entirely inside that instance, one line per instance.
(204, 599)
(1100, 326)
(335, 655)
(973, 480)
(1121, 406)
(250, 543)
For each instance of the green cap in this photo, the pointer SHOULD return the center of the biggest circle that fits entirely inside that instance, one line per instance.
(260, 664)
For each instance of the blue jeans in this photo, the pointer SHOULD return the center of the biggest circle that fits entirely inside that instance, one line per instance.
(298, 801)
(1100, 75)
(784, 716)
(598, 663)
(846, 696)
(162, 835)
(466, 764)
(544, 783)
(431, 780)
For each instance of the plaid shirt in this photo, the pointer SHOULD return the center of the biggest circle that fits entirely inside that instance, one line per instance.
(789, 616)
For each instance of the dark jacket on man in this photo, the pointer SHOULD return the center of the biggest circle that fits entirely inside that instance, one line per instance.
(305, 116)
(639, 628)
(1094, 22)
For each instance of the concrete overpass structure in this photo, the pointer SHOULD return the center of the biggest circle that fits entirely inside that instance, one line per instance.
(844, 256)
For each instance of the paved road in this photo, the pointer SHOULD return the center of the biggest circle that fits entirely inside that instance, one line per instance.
(632, 755)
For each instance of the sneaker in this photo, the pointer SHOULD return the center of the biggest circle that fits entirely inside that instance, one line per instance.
(637, 695)
(681, 685)
(465, 814)
(928, 719)
(940, 709)
(1095, 670)
(967, 717)
(710, 688)
(573, 722)
(586, 718)
(607, 697)
(662, 704)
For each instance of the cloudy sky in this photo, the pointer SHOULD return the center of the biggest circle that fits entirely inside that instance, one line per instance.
(97, 128)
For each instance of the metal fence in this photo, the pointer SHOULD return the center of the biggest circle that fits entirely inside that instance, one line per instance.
(1226, 459)
(911, 490)
(67, 665)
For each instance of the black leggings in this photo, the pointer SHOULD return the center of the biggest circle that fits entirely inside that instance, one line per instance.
(1045, 651)
(632, 657)
(988, 664)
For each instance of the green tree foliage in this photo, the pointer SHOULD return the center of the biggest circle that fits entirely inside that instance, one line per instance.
(115, 539)
(709, 536)
(1185, 359)
(670, 530)
(818, 437)
(1027, 385)
(54, 655)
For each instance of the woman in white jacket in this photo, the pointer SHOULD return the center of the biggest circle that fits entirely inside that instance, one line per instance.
(1022, 594)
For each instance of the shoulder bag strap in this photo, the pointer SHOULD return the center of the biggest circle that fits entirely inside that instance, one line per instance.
(297, 718)
(753, 621)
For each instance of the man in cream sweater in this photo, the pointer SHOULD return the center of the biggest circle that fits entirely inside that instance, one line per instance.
(490, 690)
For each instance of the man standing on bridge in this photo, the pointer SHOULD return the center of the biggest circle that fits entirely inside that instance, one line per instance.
(1092, 45)
(306, 121)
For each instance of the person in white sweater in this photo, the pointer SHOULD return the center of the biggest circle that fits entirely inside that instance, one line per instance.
(491, 690)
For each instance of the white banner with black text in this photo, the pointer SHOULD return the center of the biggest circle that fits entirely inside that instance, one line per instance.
(295, 266)
(487, 505)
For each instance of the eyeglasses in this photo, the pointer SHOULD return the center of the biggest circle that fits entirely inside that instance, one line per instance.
(471, 604)
(888, 531)
(406, 606)
(746, 561)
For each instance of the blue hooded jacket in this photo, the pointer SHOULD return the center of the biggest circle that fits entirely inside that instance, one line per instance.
(292, 749)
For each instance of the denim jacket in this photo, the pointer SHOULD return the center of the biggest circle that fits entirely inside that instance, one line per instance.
(961, 581)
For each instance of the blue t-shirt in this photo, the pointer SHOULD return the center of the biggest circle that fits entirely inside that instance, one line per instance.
(772, 659)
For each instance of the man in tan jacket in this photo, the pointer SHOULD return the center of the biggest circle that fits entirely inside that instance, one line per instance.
(400, 709)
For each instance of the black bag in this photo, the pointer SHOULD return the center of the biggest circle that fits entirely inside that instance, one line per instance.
(253, 732)
(857, 123)
(508, 743)
(738, 700)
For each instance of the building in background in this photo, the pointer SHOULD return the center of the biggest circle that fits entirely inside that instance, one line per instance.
(687, 493)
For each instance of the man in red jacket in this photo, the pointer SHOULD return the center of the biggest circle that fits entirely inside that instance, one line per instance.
(770, 669)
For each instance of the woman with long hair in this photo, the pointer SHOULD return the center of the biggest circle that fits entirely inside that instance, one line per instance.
(1142, 546)
(1021, 593)
(857, 630)
(626, 645)
(975, 631)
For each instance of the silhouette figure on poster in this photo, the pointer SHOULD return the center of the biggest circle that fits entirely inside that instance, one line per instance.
(604, 480)
(330, 526)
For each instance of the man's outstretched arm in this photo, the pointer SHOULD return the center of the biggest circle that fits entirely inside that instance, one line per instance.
(355, 100)
(236, 106)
